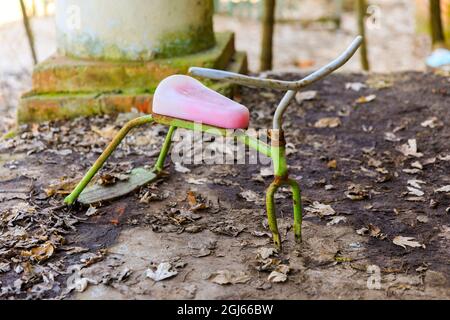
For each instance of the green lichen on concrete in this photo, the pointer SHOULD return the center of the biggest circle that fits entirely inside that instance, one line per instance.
(45, 107)
(217, 57)
(40, 109)
(184, 43)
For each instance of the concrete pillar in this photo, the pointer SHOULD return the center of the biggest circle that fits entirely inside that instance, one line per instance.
(133, 29)
(112, 55)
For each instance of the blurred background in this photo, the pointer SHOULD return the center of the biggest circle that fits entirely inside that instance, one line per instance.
(308, 33)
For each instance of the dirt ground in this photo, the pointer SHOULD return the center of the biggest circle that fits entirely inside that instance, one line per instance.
(376, 222)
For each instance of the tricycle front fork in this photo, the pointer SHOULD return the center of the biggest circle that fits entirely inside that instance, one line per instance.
(278, 154)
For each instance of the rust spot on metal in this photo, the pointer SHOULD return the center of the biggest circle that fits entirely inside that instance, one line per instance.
(280, 180)
(277, 138)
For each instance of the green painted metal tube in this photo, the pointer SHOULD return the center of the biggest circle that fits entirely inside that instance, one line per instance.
(279, 161)
(271, 212)
(298, 214)
(256, 144)
(165, 150)
(240, 135)
(105, 155)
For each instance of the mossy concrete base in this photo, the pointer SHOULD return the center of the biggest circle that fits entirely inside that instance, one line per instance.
(65, 88)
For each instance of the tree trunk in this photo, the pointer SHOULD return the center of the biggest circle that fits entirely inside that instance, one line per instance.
(29, 32)
(268, 22)
(361, 9)
(437, 30)
(33, 8)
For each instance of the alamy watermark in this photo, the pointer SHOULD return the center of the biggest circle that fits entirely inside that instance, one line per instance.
(214, 147)
(374, 17)
(73, 17)
(374, 280)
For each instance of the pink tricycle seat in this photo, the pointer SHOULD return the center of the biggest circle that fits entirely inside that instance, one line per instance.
(186, 98)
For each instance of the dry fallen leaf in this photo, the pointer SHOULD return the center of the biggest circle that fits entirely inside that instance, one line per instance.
(417, 165)
(373, 231)
(109, 179)
(280, 274)
(337, 220)
(79, 284)
(265, 253)
(92, 211)
(374, 163)
(423, 219)
(328, 123)
(415, 183)
(266, 172)
(444, 189)
(61, 187)
(251, 196)
(366, 99)
(357, 192)
(277, 277)
(196, 202)
(355, 86)
(332, 164)
(391, 137)
(305, 96)
(181, 169)
(412, 171)
(163, 272)
(192, 198)
(41, 253)
(415, 192)
(410, 149)
(407, 241)
(108, 132)
(224, 277)
(321, 209)
(5, 267)
(431, 123)
(197, 182)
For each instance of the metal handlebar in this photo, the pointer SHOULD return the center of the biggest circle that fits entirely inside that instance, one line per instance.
(279, 84)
